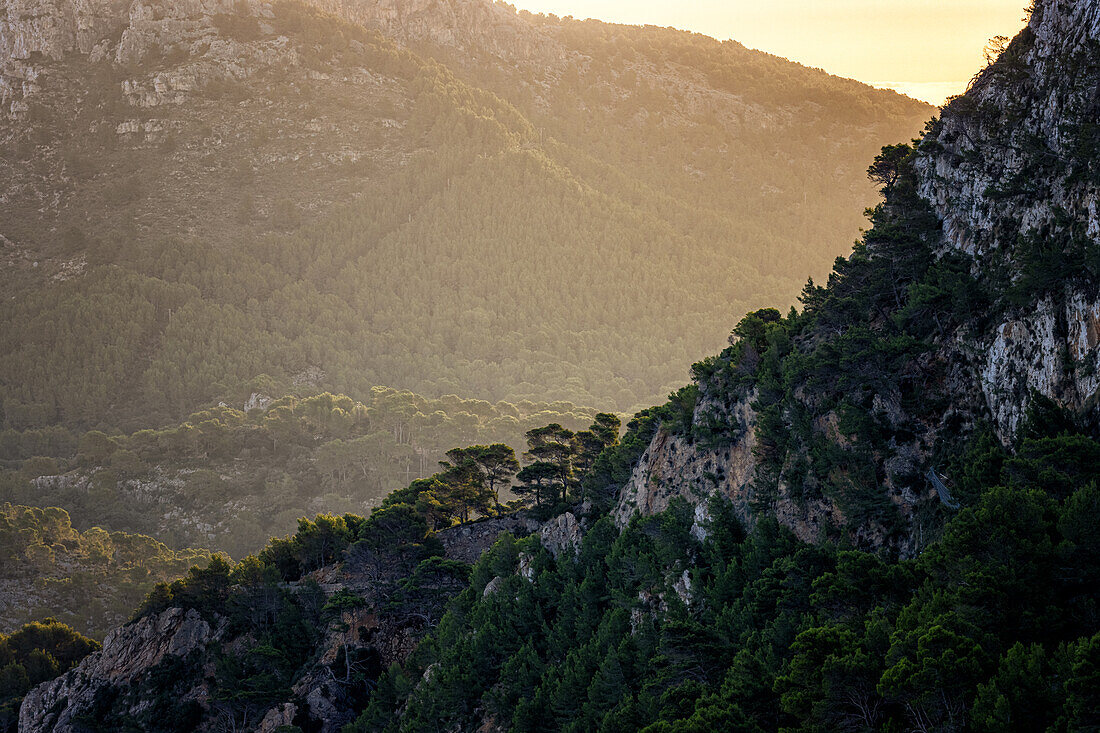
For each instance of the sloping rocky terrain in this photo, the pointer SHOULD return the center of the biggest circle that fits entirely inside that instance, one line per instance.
(840, 423)
(1005, 188)
(178, 648)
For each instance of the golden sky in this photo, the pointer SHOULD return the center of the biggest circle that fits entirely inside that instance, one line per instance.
(925, 48)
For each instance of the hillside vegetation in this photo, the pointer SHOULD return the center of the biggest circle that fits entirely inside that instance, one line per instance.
(293, 197)
(228, 480)
(91, 580)
(875, 511)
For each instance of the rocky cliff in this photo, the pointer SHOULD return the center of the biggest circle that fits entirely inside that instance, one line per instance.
(34, 36)
(32, 31)
(1005, 186)
(1012, 166)
(176, 653)
(128, 653)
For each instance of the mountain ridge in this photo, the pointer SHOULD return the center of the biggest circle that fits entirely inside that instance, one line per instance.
(766, 550)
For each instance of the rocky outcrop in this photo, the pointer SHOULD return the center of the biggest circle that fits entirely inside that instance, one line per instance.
(467, 541)
(674, 466)
(465, 25)
(562, 535)
(137, 36)
(257, 401)
(318, 695)
(1013, 163)
(128, 654)
(36, 30)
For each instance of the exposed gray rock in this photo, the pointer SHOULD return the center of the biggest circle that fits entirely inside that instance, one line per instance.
(562, 535)
(492, 586)
(525, 566)
(467, 541)
(701, 522)
(128, 653)
(128, 34)
(257, 401)
(277, 717)
(673, 467)
(683, 589)
(1005, 163)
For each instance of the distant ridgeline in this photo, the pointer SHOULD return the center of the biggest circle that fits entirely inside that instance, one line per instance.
(200, 194)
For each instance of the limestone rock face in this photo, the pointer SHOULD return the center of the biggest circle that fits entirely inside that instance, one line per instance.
(1009, 164)
(277, 717)
(466, 542)
(128, 652)
(35, 30)
(53, 28)
(133, 35)
(673, 467)
(562, 535)
(257, 401)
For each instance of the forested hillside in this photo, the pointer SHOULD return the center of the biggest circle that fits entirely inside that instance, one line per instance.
(228, 478)
(250, 191)
(91, 580)
(873, 512)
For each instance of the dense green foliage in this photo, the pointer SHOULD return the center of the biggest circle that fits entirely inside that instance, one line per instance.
(33, 654)
(995, 626)
(487, 238)
(277, 614)
(91, 580)
(274, 627)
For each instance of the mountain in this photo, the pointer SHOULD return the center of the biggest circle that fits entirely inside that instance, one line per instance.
(975, 290)
(446, 197)
(873, 513)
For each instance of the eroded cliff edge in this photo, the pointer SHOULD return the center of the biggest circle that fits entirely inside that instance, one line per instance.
(1000, 198)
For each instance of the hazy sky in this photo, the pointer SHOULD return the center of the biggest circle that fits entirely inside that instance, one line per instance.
(926, 48)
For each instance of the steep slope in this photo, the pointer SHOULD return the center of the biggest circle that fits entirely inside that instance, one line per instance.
(1012, 171)
(976, 288)
(765, 552)
(204, 193)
